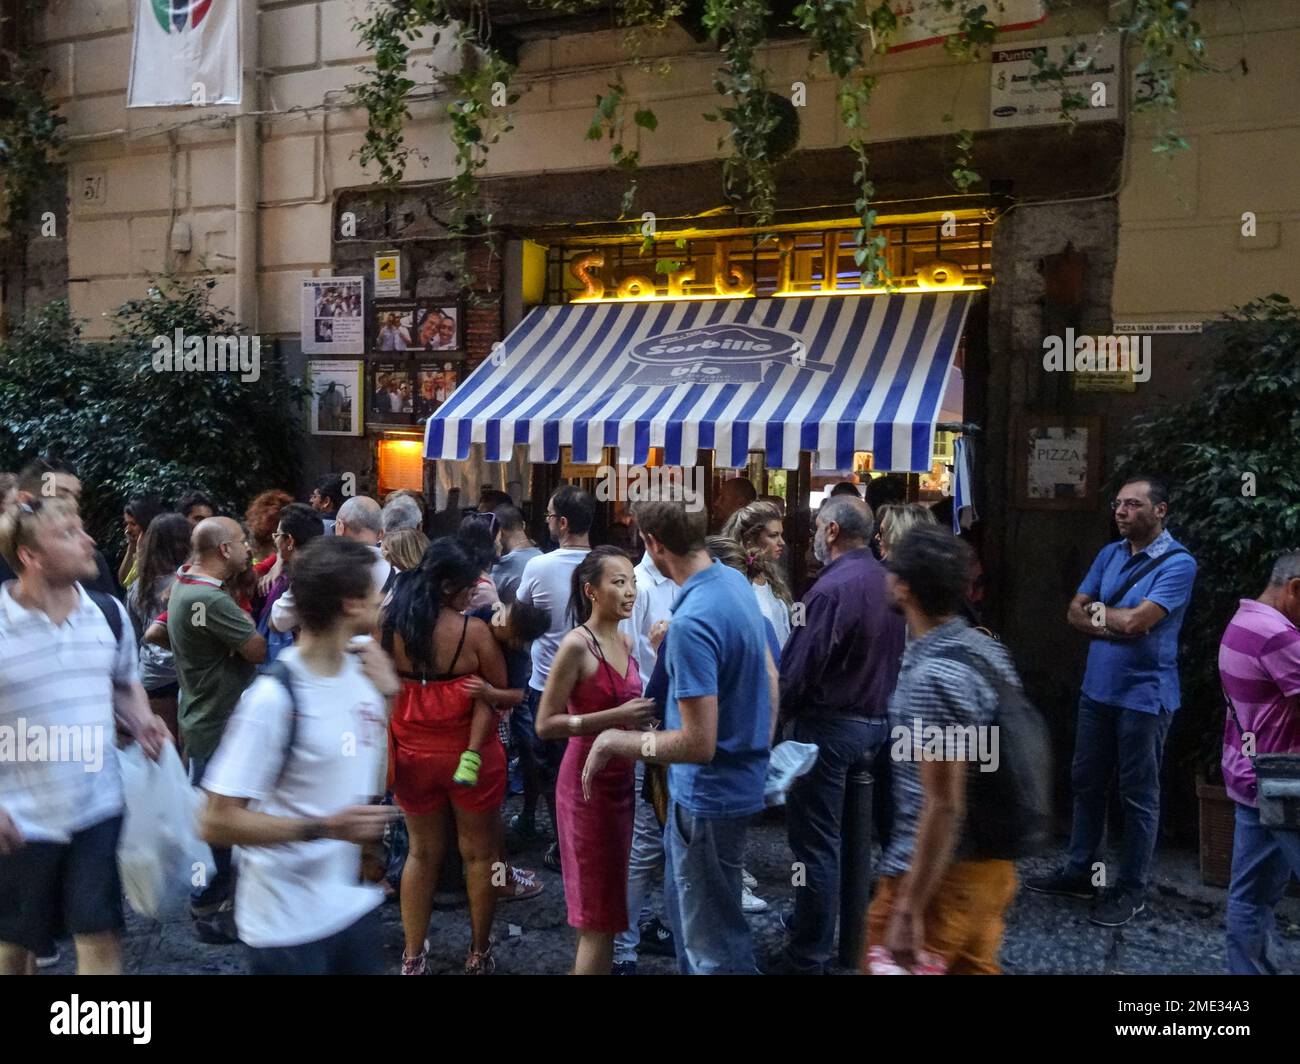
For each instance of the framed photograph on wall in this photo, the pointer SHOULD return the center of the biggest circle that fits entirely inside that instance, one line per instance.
(1058, 462)
(392, 392)
(434, 383)
(437, 327)
(337, 392)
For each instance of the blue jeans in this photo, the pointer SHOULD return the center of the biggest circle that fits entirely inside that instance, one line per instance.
(813, 813)
(645, 862)
(1108, 737)
(702, 858)
(1262, 861)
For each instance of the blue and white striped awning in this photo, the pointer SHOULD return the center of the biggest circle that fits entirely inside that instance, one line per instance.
(831, 374)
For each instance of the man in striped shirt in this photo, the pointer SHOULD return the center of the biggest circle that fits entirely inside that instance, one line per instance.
(1259, 664)
(64, 678)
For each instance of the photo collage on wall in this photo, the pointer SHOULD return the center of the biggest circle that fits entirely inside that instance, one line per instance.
(416, 358)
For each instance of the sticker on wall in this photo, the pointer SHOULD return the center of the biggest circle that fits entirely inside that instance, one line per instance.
(337, 393)
(388, 274)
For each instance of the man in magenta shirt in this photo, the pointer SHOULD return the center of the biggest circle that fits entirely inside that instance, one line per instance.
(1259, 664)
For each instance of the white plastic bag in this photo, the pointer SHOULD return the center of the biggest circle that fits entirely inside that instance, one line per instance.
(160, 845)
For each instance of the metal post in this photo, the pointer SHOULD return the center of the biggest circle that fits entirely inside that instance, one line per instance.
(855, 865)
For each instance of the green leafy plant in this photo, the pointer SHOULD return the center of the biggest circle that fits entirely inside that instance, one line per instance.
(131, 430)
(846, 32)
(31, 138)
(1229, 453)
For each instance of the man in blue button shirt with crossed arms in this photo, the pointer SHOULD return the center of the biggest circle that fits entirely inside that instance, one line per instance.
(1131, 604)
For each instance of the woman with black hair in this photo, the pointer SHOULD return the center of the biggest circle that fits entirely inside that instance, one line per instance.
(136, 516)
(439, 652)
(594, 680)
(478, 534)
(163, 549)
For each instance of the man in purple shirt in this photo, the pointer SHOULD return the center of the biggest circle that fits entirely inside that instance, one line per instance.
(1259, 664)
(838, 670)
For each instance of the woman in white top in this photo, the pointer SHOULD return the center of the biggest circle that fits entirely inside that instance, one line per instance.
(759, 531)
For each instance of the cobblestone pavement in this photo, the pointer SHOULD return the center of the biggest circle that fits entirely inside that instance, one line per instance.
(1182, 931)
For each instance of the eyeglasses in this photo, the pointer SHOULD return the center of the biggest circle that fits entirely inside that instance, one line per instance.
(1126, 504)
(550, 516)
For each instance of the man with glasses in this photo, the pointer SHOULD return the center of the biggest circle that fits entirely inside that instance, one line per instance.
(216, 648)
(1131, 605)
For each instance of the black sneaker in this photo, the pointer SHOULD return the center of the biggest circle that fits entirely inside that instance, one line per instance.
(1115, 908)
(656, 939)
(1063, 885)
(623, 968)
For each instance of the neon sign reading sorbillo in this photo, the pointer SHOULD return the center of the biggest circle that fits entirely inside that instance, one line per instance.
(733, 281)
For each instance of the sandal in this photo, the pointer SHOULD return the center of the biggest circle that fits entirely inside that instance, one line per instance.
(480, 962)
(520, 885)
(417, 965)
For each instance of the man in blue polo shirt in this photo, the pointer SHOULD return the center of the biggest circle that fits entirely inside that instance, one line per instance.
(1131, 604)
(720, 715)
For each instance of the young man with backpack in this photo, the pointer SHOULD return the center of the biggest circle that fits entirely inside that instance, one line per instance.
(304, 753)
(946, 878)
(67, 679)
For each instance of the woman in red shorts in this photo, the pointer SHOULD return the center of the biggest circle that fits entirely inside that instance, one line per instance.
(594, 685)
(438, 652)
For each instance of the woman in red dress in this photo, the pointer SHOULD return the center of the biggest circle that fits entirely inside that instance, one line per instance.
(594, 685)
(439, 653)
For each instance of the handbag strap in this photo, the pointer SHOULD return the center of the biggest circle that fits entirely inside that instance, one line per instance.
(1141, 572)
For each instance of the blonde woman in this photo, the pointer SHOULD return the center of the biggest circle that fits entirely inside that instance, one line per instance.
(759, 530)
(404, 548)
(897, 519)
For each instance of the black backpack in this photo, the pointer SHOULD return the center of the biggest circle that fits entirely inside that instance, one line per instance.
(1008, 810)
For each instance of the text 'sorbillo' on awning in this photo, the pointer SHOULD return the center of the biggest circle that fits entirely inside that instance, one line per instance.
(834, 375)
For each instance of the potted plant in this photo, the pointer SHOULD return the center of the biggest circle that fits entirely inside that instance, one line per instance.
(1229, 454)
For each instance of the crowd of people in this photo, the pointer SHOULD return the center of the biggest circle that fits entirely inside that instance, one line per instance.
(356, 687)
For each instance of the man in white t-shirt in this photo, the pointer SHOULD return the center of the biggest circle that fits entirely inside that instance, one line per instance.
(304, 752)
(360, 519)
(547, 583)
(67, 679)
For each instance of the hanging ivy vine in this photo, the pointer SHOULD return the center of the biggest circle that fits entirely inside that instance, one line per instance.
(31, 139)
(845, 34)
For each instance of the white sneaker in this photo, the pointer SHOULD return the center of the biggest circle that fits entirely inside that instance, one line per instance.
(51, 960)
(751, 902)
(747, 879)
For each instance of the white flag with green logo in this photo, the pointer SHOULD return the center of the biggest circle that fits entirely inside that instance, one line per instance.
(185, 53)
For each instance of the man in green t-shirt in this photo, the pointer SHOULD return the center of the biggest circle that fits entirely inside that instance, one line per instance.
(216, 649)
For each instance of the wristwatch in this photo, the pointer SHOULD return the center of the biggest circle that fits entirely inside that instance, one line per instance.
(313, 830)
(575, 723)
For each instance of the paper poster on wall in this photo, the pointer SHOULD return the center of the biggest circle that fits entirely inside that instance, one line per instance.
(332, 321)
(922, 22)
(337, 392)
(1015, 99)
(1058, 462)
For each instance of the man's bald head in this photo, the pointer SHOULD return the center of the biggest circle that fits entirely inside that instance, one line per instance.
(361, 519)
(210, 533)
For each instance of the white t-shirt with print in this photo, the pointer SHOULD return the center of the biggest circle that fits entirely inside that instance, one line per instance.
(301, 892)
(547, 583)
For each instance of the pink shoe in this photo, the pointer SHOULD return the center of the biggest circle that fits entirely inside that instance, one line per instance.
(417, 965)
(480, 962)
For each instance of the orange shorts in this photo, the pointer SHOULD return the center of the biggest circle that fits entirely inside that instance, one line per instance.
(963, 922)
(422, 780)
